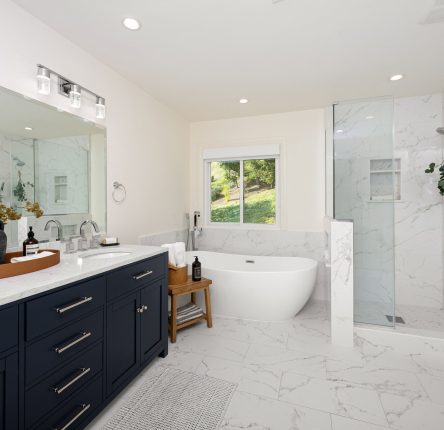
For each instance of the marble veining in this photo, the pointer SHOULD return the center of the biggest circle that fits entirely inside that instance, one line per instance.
(341, 250)
(71, 269)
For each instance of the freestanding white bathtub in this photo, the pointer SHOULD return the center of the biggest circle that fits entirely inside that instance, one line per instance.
(257, 288)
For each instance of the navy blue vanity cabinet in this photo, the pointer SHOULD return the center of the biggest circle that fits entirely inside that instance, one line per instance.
(153, 329)
(122, 347)
(9, 382)
(66, 353)
(137, 323)
(9, 396)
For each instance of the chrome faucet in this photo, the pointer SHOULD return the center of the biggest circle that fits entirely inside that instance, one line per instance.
(85, 223)
(59, 228)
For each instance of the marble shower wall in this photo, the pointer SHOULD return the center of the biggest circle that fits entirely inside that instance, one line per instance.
(414, 223)
(419, 213)
(64, 159)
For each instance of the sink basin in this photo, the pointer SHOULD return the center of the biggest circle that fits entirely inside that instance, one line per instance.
(106, 255)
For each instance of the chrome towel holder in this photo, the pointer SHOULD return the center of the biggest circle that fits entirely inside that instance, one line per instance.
(119, 187)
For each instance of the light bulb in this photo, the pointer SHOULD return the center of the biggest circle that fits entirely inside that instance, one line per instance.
(100, 108)
(43, 80)
(74, 96)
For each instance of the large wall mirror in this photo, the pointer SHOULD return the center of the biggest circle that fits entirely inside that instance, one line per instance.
(54, 158)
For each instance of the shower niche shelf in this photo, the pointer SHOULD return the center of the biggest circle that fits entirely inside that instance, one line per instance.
(385, 180)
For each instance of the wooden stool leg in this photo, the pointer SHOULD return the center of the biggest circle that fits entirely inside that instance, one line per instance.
(173, 319)
(208, 307)
(193, 298)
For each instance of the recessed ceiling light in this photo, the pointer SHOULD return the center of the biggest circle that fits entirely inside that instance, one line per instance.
(131, 23)
(28, 128)
(370, 117)
(339, 131)
(396, 77)
(243, 101)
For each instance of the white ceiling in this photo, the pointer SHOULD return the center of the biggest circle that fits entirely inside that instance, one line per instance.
(201, 56)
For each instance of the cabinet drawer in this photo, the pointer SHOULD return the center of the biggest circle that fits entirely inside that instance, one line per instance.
(61, 346)
(51, 311)
(72, 414)
(60, 385)
(127, 278)
(8, 328)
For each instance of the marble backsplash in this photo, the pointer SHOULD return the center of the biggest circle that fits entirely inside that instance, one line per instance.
(257, 242)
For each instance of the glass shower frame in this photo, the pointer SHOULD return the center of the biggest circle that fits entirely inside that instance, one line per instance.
(365, 187)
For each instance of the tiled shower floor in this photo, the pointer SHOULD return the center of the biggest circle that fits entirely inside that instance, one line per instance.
(418, 320)
(289, 376)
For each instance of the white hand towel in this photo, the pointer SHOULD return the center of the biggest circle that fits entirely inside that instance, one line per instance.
(31, 257)
(179, 253)
(171, 255)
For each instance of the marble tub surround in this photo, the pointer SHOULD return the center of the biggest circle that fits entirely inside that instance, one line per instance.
(289, 376)
(157, 239)
(72, 268)
(270, 242)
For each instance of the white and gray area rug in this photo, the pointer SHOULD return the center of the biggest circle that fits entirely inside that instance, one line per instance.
(175, 400)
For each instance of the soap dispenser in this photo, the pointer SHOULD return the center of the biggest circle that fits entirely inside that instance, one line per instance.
(30, 245)
(196, 269)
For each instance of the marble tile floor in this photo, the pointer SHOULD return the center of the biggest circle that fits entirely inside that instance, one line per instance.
(289, 376)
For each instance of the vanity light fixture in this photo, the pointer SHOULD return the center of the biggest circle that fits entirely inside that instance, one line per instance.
(43, 80)
(396, 77)
(243, 101)
(69, 89)
(100, 108)
(131, 24)
(75, 98)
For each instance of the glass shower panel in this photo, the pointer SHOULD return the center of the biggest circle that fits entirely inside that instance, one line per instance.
(364, 192)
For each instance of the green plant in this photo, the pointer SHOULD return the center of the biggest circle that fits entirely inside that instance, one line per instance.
(19, 190)
(432, 167)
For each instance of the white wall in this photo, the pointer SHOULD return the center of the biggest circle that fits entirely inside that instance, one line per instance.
(301, 135)
(147, 143)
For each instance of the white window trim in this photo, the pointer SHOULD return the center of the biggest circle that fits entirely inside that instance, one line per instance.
(240, 225)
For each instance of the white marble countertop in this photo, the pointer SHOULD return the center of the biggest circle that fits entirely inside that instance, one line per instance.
(72, 268)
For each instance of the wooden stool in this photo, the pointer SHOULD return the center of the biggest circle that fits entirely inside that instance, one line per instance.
(189, 287)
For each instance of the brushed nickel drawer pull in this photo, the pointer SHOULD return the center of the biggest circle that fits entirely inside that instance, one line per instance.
(83, 371)
(82, 301)
(84, 407)
(142, 275)
(82, 337)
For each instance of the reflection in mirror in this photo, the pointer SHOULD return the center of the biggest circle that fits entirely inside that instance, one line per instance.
(53, 158)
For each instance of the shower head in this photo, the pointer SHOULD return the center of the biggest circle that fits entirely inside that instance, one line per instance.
(440, 130)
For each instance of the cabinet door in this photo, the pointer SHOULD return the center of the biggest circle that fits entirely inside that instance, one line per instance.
(151, 320)
(9, 393)
(122, 340)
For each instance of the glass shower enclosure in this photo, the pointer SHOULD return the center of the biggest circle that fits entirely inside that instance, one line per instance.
(366, 186)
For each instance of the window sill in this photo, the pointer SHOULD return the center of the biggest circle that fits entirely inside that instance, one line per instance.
(220, 226)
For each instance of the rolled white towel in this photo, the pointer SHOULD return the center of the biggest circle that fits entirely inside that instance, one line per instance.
(31, 257)
(179, 253)
(171, 253)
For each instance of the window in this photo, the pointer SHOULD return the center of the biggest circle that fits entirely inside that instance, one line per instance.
(243, 191)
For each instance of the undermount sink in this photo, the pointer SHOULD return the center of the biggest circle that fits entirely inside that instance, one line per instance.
(106, 255)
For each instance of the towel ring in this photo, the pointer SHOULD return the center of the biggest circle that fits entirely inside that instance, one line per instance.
(118, 186)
